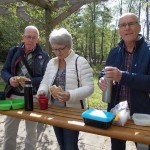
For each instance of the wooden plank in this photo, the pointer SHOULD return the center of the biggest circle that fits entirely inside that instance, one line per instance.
(67, 112)
(7, 1)
(61, 3)
(60, 109)
(133, 126)
(41, 3)
(60, 114)
(70, 118)
(58, 3)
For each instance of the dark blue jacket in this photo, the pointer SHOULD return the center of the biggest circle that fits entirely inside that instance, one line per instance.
(40, 60)
(138, 80)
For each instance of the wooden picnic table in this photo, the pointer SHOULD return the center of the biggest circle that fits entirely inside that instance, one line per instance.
(70, 118)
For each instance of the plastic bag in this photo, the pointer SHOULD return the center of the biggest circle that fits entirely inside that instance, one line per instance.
(122, 113)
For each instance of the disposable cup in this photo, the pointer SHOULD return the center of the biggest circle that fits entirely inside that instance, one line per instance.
(43, 102)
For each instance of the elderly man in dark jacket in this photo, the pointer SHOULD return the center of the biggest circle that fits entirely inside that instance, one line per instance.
(31, 53)
(128, 66)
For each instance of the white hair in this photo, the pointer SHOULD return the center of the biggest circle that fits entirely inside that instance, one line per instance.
(61, 37)
(32, 27)
(130, 14)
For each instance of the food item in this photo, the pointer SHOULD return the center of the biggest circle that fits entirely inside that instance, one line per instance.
(20, 78)
(54, 90)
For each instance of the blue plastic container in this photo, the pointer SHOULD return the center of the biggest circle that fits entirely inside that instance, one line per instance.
(98, 118)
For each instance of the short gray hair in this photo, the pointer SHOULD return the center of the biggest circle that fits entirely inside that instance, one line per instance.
(61, 37)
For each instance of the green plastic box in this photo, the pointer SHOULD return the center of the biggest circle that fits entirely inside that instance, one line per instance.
(5, 105)
(12, 104)
(17, 103)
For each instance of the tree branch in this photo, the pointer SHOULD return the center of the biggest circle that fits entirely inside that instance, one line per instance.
(65, 14)
(60, 3)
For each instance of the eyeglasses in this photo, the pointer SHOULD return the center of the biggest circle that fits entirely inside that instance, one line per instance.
(130, 24)
(30, 37)
(59, 49)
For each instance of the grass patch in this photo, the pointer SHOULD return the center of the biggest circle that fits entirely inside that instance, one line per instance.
(95, 100)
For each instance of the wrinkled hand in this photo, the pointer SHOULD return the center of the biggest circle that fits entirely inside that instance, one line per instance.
(102, 84)
(63, 96)
(13, 82)
(112, 73)
(40, 93)
(22, 82)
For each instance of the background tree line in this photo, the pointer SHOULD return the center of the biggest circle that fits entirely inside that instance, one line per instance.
(93, 26)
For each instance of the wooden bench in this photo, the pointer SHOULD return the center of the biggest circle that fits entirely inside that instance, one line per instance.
(70, 118)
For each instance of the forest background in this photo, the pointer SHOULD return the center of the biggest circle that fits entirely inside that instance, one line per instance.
(93, 27)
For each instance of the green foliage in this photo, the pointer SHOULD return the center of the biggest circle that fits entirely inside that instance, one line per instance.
(93, 27)
(9, 33)
(87, 27)
(12, 25)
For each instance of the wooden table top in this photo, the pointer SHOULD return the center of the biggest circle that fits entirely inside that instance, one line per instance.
(70, 118)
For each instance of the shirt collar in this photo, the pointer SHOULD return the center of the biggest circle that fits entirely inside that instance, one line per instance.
(23, 47)
(125, 49)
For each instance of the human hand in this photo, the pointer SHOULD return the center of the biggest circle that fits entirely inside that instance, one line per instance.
(112, 73)
(54, 90)
(102, 84)
(13, 82)
(21, 80)
(40, 93)
(63, 96)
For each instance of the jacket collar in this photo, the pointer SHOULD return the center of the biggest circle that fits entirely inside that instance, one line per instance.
(35, 50)
(72, 53)
(68, 58)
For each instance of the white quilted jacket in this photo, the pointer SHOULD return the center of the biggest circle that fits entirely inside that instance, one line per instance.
(85, 76)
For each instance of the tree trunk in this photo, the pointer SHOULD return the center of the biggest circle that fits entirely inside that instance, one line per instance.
(94, 39)
(48, 29)
(102, 46)
(147, 20)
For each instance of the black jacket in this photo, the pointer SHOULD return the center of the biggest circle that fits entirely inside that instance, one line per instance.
(138, 80)
(40, 60)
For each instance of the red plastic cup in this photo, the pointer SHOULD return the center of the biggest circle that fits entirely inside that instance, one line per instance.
(43, 102)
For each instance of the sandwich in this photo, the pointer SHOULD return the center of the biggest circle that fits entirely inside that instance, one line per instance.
(55, 90)
(21, 79)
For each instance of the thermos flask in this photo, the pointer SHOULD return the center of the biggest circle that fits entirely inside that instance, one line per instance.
(28, 96)
(106, 97)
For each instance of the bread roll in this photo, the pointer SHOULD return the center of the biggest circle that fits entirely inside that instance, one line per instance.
(20, 78)
(54, 90)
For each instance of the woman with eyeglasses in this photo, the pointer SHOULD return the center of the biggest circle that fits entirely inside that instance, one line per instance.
(64, 70)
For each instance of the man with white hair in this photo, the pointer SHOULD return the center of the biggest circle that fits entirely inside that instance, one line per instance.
(128, 66)
(14, 66)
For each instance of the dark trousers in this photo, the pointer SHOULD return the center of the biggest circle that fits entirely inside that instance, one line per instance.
(117, 144)
(67, 139)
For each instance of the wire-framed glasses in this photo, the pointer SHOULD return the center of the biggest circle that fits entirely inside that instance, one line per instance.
(129, 24)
